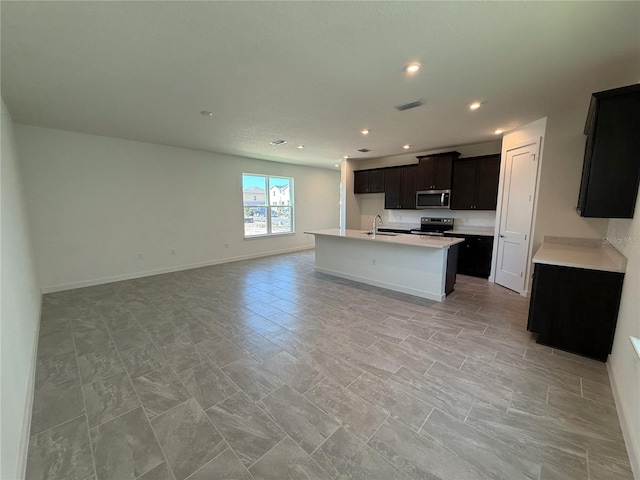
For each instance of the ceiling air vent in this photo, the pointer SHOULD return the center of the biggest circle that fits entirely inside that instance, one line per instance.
(278, 142)
(364, 150)
(407, 106)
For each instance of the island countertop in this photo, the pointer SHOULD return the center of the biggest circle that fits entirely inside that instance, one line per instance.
(427, 241)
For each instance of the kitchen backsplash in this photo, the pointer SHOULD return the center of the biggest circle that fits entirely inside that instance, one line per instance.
(373, 204)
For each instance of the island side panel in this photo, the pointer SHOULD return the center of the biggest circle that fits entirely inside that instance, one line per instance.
(408, 269)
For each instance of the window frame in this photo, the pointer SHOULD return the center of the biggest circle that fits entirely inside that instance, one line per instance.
(268, 206)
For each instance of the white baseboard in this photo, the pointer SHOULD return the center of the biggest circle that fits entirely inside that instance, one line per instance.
(159, 271)
(23, 449)
(630, 440)
(388, 286)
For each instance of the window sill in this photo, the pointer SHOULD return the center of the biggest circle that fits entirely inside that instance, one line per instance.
(269, 235)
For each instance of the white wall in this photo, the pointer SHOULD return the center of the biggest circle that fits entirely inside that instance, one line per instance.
(351, 201)
(364, 207)
(19, 310)
(559, 173)
(95, 203)
(624, 365)
(559, 181)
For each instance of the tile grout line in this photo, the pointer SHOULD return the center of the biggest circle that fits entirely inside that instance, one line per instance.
(426, 419)
(144, 410)
(377, 429)
(286, 435)
(203, 409)
(84, 403)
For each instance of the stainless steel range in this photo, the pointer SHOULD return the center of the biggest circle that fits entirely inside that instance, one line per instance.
(434, 226)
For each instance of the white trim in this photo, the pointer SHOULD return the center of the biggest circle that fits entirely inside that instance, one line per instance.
(385, 285)
(23, 448)
(532, 138)
(159, 271)
(630, 440)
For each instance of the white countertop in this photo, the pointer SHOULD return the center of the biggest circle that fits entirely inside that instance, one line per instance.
(399, 239)
(588, 253)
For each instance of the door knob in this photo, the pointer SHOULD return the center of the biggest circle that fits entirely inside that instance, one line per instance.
(501, 236)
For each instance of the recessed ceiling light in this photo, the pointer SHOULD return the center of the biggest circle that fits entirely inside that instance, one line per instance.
(413, 67)
(365, 131)
(299, 147)
(498, 132)
(278, 142)
(206, 113)
(346, 156)
(336, 165)
(407, 146)
(475, 105)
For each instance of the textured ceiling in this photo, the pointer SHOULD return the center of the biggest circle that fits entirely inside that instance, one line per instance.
(312, 73)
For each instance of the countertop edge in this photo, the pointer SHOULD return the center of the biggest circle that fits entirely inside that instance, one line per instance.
(389, 240)
(612, 261)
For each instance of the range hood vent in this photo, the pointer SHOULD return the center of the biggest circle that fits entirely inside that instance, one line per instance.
(410, 105)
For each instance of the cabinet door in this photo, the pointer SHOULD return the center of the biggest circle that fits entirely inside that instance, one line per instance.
(426, 173)
(392, 188)
(613, 164)
(463, 257)
(360, 181)
(487, 177)
(376, 180)
(464, 184)
(479, 262)
(408, 191)
(443, 172)
(435, 171)
(575, 309)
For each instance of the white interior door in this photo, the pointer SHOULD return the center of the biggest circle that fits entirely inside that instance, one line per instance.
(515, 219)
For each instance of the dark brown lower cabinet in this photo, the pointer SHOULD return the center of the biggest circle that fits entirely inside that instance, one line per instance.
(452, 268)
(575, 309)
(474, 255)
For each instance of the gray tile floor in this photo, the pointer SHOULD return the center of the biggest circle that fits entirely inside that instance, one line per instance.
(266, 370)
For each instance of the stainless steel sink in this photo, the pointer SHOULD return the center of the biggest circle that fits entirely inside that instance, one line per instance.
(388, 234)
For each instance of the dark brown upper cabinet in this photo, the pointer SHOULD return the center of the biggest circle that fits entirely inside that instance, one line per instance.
(369, 181)
(434, 171)
(400, 187)
(611, 170)
(475, 183)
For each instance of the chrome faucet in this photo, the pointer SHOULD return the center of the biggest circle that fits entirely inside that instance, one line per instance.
(373, 227)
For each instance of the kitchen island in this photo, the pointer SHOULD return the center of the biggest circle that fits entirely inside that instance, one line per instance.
(420, 265)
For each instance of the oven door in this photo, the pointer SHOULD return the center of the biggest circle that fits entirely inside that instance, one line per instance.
(433, 199)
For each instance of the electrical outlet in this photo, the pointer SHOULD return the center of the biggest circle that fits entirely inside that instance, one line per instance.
(466, 220)
(226, 245)
(173, 252)
(373, 261)
(140, 256)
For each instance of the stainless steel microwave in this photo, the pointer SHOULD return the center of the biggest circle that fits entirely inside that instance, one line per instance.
(433, 199)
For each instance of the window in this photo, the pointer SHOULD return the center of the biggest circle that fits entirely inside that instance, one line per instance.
(268, 205)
